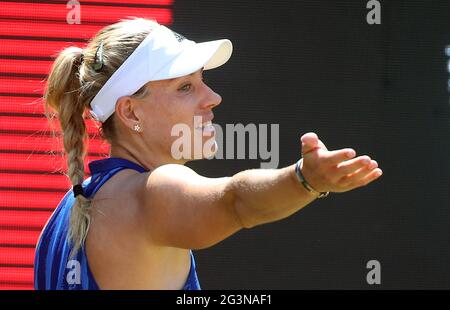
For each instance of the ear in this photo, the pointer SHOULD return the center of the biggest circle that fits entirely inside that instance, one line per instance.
(127, 110)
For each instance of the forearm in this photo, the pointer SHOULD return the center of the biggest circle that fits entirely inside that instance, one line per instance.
(267, 195)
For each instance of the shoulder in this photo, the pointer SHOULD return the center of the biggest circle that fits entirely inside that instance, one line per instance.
(170, 173)
(158, 185)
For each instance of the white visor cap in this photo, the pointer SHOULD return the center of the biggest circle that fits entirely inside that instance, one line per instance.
(162, 55)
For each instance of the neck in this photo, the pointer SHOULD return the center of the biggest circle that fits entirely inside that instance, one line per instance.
(141, 158)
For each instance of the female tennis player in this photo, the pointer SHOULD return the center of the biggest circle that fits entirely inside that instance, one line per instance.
(134, 223)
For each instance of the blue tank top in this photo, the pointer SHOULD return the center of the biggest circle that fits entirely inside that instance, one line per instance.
(53, 269)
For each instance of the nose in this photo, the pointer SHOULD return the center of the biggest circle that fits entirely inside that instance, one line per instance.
(211, 99)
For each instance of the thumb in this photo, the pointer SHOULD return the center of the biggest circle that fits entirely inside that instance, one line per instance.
(310, 141)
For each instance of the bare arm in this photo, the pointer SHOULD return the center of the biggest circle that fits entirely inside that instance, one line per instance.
(186, 210)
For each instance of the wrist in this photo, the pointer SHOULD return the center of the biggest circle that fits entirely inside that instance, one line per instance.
(304, 182)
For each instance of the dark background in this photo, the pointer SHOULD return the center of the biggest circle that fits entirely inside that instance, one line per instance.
(381, 89)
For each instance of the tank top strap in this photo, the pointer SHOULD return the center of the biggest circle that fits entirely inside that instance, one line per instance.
(110, 163)
(103, 169)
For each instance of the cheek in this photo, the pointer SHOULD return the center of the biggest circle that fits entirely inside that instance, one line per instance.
(168, 110)
(170, 117)
(180, 111)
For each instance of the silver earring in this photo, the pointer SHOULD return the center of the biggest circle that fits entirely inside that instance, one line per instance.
(137, 128)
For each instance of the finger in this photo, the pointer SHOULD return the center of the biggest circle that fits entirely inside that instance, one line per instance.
(359, 174)
(338, 156)
(322, 146)
(310, 142)
(352, 165)
(370, 177)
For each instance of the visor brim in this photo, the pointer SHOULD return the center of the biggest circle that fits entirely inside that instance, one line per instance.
(206, 55)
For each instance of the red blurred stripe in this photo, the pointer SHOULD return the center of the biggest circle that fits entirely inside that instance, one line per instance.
(32, 48)
(23, 237)
(16, 256)
(21, 85)
(28, 199)
(25, 66)
(35, 124)
(89, 13)
(21, 105)
(48, 29)
(36, 181)
(16, 275)
(36, 143)
(39, 162)
(21, 287)
(28, 219)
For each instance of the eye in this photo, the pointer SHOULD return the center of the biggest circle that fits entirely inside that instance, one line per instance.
(185, 87)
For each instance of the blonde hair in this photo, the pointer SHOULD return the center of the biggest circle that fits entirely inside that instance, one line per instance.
(71, 85)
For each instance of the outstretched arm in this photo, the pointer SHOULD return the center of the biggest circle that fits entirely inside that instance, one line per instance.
(186, 210)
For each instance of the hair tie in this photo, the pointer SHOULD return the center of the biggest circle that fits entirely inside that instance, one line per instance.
(98, 60)
(78, 190)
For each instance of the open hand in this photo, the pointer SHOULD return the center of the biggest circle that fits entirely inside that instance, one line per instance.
(335, 171)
